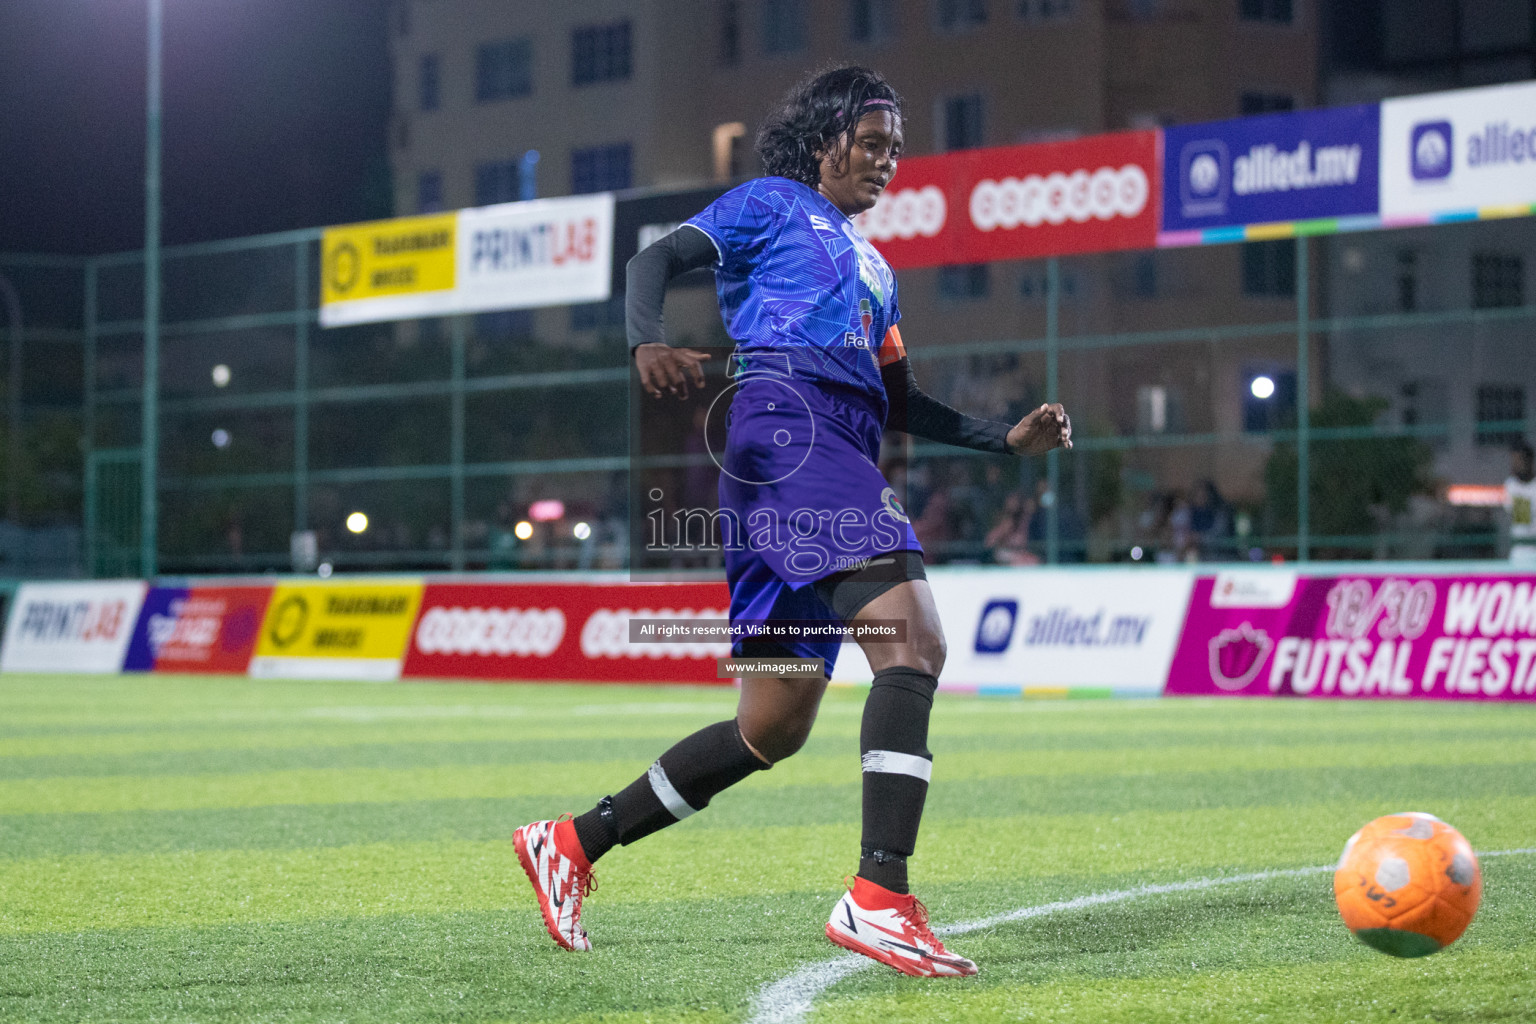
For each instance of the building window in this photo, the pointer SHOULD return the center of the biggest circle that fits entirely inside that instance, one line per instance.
(963, 122)
(1276, 12)
(964, 281)
(1497, 280)
(504, 325)
(783, 26)
(1407, 281)
(871, 21)
(1500, 415)
(593, 316)
(1424, 408)
(428, 91)
(1045, 10)
(1144, 275)
(730, 32)
(600, 53)
(728, 141)
(958, 15)
(429, 192)
(503, 69)
(600, 169)
(1252, 103)
(1269, 268)
(498, 181)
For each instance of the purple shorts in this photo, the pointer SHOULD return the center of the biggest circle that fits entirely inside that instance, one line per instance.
(806, 496)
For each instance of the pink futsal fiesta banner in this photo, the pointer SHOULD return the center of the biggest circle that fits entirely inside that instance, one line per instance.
(1276, 633)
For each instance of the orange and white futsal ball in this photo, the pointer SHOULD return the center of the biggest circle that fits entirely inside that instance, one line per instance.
(1407, 884)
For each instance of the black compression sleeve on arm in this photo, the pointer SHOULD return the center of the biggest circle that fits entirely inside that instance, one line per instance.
(647, 274)
(920, 414)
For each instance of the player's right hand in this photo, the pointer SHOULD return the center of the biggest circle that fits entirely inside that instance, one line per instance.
(667, 369)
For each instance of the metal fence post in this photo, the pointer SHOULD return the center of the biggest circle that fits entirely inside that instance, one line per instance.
(1303, 405)
(150, 439)
(301, 387)
(88, 421)
(1052, 382)
(456, 444)
(12, 303)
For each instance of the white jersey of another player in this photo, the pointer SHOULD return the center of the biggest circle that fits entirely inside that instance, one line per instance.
(1520, 503)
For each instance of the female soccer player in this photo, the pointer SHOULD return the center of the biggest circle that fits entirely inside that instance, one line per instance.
(819, 371)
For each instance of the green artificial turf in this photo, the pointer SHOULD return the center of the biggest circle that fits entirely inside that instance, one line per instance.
(203, 849)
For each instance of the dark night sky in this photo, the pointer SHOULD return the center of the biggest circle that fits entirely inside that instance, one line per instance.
(276, 116)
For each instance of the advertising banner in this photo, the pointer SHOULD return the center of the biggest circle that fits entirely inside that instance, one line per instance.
(1366, 636)
(545, 252)
(562, 631)
(1263, 170)
(1094, 194)
(387, 269)
(1110, 629)
(341, 630)
(197, 629)
(1465, 152)
(639, 222)
(71, 627)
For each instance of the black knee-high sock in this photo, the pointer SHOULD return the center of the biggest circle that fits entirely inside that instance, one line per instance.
(893, 740)
(678, 783)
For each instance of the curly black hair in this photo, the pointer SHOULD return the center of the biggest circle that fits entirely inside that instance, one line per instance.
(813, 115)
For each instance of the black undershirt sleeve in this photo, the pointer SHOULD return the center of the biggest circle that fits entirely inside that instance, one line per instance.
(646, 277)
(918, 413)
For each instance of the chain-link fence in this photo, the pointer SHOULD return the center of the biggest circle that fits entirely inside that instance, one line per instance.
(1353, 396)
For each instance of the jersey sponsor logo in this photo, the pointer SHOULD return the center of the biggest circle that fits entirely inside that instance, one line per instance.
(1060, 197)
(894, 507)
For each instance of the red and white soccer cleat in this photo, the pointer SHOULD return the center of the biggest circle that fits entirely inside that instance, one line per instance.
(561, 876)
(893, 929)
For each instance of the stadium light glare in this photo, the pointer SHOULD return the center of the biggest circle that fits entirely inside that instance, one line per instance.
(1137, 554)
(1262, 387)
(221, 438)
(523, 530)
(220, 376)
(357, 522)
(323, 570)
(582, 531)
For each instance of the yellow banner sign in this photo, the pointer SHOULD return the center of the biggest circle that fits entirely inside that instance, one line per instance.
(384, 258)
(347, 629)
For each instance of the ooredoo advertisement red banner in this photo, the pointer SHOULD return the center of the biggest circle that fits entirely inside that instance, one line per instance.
(562, 631)
(1402, 636)
(1095, 194)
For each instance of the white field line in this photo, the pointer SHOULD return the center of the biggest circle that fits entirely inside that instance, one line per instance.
(788, 1000)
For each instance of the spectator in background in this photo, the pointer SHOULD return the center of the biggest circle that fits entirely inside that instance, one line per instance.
(1008, 539)
(1519, 500)
(1071, 536)
(1210, 521)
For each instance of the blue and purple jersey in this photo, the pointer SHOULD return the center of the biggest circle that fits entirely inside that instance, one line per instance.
(795, 278)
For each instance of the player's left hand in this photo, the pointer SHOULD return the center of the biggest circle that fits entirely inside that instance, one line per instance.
(1038, 432)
